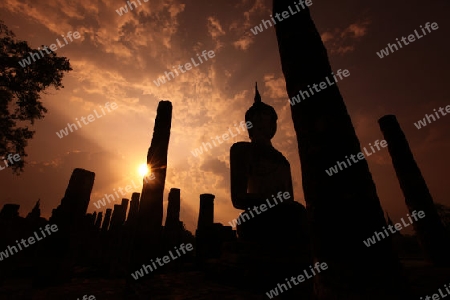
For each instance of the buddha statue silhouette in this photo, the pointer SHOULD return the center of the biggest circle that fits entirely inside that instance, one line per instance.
(259, 174)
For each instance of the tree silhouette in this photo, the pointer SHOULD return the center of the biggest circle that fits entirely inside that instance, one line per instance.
(20, 89)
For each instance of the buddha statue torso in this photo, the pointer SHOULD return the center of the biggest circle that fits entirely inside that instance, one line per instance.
(268, 171)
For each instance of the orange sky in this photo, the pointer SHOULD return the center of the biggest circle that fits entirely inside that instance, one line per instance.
(118, 57)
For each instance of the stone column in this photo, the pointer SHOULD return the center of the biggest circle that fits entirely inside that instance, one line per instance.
(173, 208)
(94, 217)
(58, 254)
(107, 220)
(432, 234)
(70, 213)
(147, 240)
(116, 217)
(123, 212)
(98, 222)
(173, 227)
(134, 208)
(206, 213)
(89, 220)
(206, 233)
(343, 209)
(151, 204)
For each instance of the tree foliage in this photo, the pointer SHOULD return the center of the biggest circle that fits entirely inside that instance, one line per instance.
(20, 92)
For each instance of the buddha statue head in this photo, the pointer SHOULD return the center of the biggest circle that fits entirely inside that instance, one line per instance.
(263, 119)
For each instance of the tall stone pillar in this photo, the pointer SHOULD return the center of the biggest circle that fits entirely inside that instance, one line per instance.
(206, 213)
(107, 220)
(151, 204)
(147, 240)
(343, 209)
(173, 209)
(433, 236)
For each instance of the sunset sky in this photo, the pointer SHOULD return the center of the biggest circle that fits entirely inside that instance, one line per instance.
(117, 59)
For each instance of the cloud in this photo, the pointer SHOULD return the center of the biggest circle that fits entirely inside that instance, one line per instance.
(244, 42)
(342, 41)
(214, 28)
(276, 87)
(240, 27)
(326, 36)
(356, 30)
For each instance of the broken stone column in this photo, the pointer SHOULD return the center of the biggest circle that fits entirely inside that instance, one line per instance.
(89, 220)
(343, 209)
(129, 233)
(432, 234)
(59, 253)
(173, 209)
(107, 220)
(205, 233)
(173, 226)
(94, 217)
(206, 212)
(119, 240)
(70, 213)
(134, 209)
(116, 217)
(98, 222)
(123, 212)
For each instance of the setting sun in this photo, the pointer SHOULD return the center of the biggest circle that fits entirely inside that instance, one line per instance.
(143, 170)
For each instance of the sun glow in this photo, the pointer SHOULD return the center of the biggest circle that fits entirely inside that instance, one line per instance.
(143, 170)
